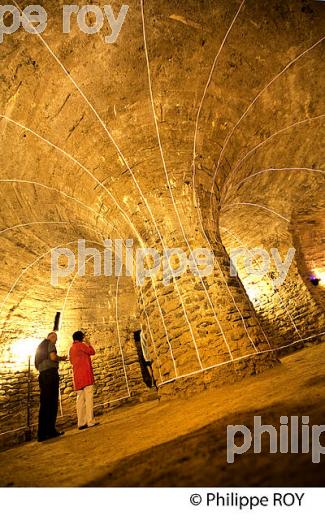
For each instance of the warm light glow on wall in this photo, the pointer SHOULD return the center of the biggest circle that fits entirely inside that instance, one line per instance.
(258, 290)
(23, 348)
(253, 293)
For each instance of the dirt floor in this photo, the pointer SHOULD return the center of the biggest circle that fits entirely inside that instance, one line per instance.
(183, 442)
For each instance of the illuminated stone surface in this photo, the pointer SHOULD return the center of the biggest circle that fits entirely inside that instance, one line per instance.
(67, 173)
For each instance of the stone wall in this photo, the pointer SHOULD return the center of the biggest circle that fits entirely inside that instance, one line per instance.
(292, 311)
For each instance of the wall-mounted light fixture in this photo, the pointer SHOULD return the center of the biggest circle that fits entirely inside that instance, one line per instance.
(317, 278)
(317, 274)
(314, 280)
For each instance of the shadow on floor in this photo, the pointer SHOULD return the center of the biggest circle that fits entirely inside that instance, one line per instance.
(200, 458)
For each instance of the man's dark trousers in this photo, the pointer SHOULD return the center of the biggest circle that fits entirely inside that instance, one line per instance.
(49, 397)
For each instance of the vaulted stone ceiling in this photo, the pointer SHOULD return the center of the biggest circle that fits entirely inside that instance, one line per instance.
(205, 120)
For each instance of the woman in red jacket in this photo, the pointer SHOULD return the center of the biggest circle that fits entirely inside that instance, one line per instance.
(83, 378)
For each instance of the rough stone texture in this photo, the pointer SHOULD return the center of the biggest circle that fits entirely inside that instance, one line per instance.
(236, 160)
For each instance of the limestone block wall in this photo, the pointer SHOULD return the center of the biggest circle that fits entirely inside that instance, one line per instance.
(308, 239)
(289, 312)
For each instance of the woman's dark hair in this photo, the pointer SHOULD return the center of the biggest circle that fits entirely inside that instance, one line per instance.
(78, 336)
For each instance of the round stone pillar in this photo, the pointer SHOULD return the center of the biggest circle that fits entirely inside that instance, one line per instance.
(199, 330)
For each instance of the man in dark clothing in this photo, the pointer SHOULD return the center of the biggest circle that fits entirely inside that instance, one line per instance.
(47, 363)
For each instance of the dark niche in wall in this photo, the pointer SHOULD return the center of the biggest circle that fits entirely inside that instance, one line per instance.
(145, 363)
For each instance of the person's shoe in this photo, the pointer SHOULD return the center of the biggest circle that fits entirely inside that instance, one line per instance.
(83, 427)
(92, 424)
(56, 434)
(42, 439)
